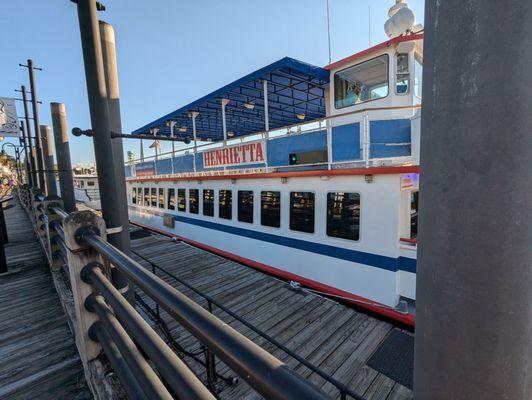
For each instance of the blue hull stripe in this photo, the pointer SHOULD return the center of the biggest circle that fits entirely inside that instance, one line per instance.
(374, 260)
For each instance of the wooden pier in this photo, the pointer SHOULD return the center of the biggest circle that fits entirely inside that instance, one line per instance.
(38, 355)
(335, 338)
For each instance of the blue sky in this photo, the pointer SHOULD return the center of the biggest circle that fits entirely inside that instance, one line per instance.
(171, 52)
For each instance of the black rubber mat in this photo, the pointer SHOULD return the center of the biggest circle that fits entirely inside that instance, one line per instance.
(395, 358)
(139, 234)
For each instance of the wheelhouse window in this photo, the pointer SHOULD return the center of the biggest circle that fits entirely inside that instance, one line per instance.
(245, 206)
(270, 209)
(363, 82)
(402, 74)
(225, 204)
(134, 196)
(161, 198)
(181, 200)
(154, 197)
(171, 199)
(193, 195)
(414, 207)
(343, 215)
(302, 211)
(418, 74)
(147, 197)
(208, 202)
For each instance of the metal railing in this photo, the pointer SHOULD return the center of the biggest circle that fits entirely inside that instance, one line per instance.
(106, 322)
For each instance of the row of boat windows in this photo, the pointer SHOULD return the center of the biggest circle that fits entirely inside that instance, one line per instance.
(343, 209)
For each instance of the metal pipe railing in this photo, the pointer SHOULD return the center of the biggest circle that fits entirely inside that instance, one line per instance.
(342, 388)
(170, 366)
(59, 211)
(151, 384)
(265, 373)
(131, 385)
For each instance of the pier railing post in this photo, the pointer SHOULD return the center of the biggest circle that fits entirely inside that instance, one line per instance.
(78, 256)
(49, 202)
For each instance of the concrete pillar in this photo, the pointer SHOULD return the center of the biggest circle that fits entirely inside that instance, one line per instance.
(48, 156)
(62, 151)
(474, 274)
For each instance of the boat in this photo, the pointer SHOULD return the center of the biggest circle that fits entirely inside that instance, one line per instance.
(86, 188)
(304, 172)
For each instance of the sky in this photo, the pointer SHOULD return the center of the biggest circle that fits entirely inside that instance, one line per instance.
(171, 52)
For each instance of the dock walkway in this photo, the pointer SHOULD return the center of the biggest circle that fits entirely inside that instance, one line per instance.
(335, 338)
(38, 355)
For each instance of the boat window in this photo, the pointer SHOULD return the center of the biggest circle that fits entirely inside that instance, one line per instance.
(414, 207)
(208, 202)
(154, 197)
(302, 211)
(147, 197)
(171, 199)
(134, 196)
(181, 200)
(418, 74)
(402, 74)
(193, 195)
(270, 209)
(245, 206)
(161, 198)
(225, 204)
(90, 183)
(360, 83)
(343, 215)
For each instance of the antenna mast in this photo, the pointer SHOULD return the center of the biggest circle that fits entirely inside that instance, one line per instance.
(329, 32)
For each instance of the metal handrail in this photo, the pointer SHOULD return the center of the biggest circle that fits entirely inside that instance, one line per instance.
(342, 388)
(269, 376)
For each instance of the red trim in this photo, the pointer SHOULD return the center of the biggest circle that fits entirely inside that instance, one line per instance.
(289, 174)
(408, 240)
(373, 49)
(378, 308)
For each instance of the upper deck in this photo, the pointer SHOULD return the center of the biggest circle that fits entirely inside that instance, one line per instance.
(359, 112)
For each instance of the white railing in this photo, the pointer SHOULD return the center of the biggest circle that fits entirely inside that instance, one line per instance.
(362, 116)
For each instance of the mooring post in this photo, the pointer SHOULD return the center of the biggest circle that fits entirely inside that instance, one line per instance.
(38, 141)
(474, 274)
(112, 190)
(27, 153)
(78, 256)
(48, 151)
(62, 151)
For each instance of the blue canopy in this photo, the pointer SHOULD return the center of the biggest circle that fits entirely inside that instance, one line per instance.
(296, 91)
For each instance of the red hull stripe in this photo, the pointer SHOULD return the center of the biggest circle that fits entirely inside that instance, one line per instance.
(292, 174)
(362, 302)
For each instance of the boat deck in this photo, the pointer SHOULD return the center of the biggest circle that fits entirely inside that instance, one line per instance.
(38, 355)
(335, 338)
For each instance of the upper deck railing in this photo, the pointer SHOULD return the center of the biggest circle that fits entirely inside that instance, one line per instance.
(375, 144)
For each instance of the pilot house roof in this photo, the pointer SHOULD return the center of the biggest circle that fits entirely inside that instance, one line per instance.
(296, 92)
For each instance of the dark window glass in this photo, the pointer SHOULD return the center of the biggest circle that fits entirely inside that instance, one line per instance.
(302, 211)
(245, 206)
(90, 183)
(343, 215)
(134, 196)
(147, 197)
(225, 204)
(161, 198)
(181, 200)
(414, 207)
(270, 209)
(208, 202)
(193, 195)
(154, 197)
(171, 199)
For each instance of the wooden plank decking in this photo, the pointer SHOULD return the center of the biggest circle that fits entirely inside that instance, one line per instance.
(38, 356)
(335, 338)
